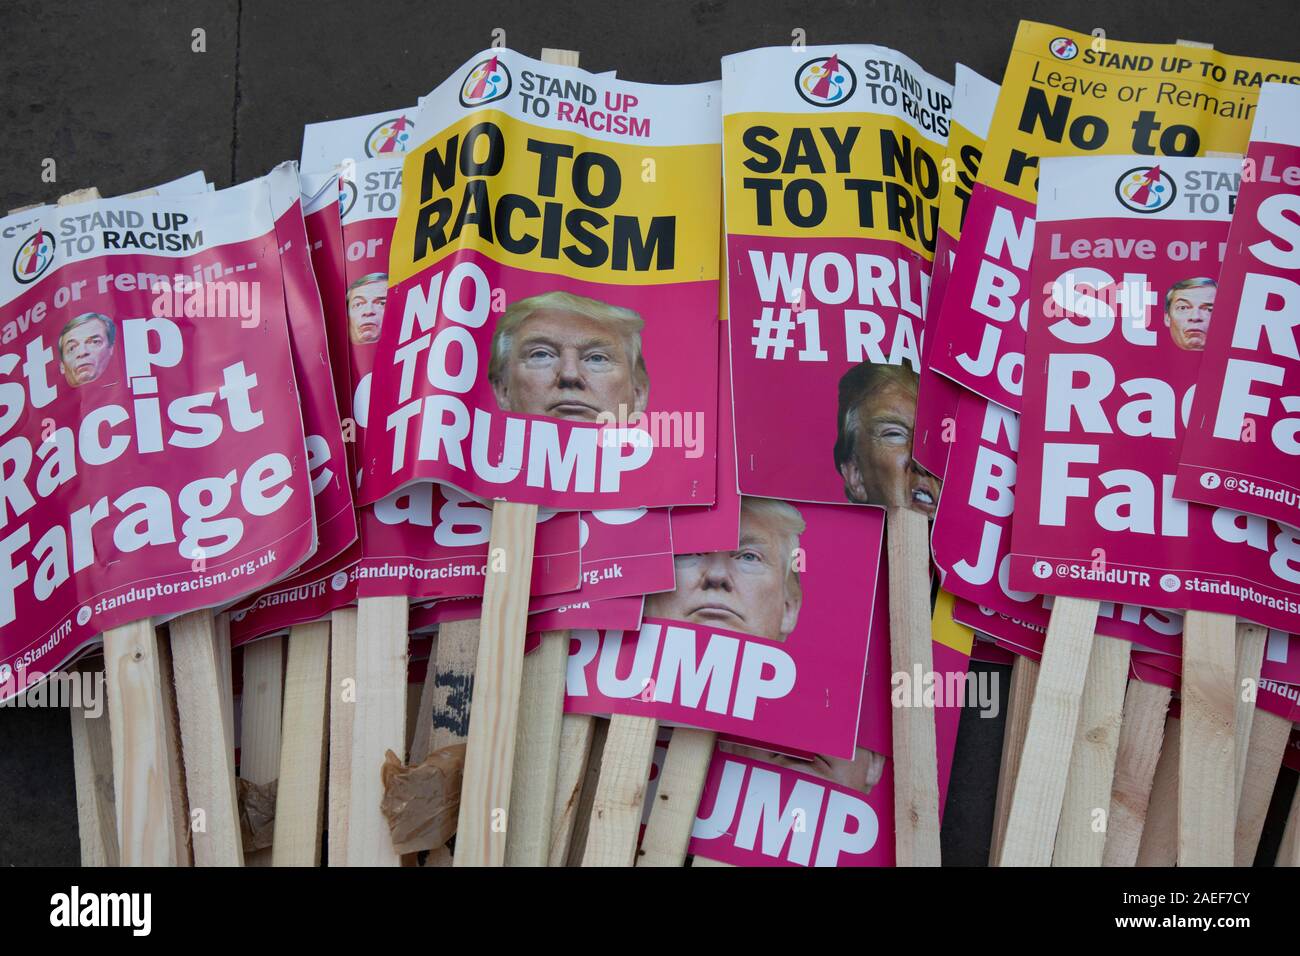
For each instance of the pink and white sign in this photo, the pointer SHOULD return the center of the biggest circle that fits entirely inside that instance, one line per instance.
(979, 334)
(150, 433)
(1126, 274)
(625, 553)
(972, 532)
(1243, 446)
(767, 642)
(715, 527)
(973, 100)
(553, 336)
(832, 206)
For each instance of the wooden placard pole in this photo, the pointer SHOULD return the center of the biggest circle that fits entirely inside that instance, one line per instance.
(261, 713)
(1039, 790)
(577, 735)
(1252, 640)
(342, 708)
(379, 725)
(677, 797)
(1024, 678)
(916, 769)
(209, 758)
(300, 803)
(584, 797)
(615, 820)
(1081, 833)
(1159, 846)
(1141, 737)
(537, 752)
(1207, 780)
(92, 763)
(498, 672)
(1268, 739)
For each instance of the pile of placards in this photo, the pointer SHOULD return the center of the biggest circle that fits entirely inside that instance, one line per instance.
(552, 473)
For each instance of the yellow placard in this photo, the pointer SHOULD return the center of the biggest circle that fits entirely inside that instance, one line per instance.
(961, 169)
(847, 175)
(1067, 93)
(947, 631)
(558, 202)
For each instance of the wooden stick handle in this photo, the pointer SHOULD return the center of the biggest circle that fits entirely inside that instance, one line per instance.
(620, 795)
(342, 708)
(494, 710)
(1207, 780)
(300, 798)
(1141, 738)
(1024, 678)
(537, 752)
(677, 797)
(1081, 833)
(916, 774)
(378, 725)
(1040, 785)
(1264, 752)
(208, 755)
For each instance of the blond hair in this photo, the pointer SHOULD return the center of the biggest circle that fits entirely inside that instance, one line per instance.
(788, 523)
(624, 321)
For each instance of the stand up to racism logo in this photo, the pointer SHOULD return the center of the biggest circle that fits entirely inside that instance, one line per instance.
(1145, 189)
(488, 81)
(390, 137)
(825, 81)
(34, 256)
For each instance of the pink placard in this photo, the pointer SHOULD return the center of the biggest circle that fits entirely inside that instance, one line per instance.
(613, 614)
(153, 451)
(979, 335)
(624, 553)
(1242, 448)
(750, 644)
(715, 527)
(972, 532)
(848, 351)
(1125, 283)
(758, 814)
(573, 463)
(336, 522)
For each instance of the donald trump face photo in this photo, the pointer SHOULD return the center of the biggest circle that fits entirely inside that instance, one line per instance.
(756, 590)
(86, 347)
(873, 446)
(569, 357)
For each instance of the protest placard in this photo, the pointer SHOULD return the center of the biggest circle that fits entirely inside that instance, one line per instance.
(761, 808)
(973, 100)
(590, 207)
(172, 279)
(1067, 93)
(1106, 394)
(832, 176)
(744, 644)
(1240, 449)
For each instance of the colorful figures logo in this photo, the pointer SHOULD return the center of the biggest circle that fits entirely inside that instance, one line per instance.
(825, 81)
(1063, 48)
(488, 81)
(390, 137)
(1145, 189)
(35, 256)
